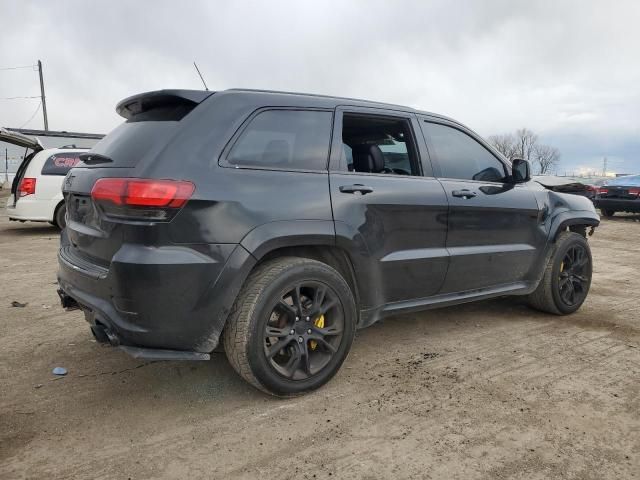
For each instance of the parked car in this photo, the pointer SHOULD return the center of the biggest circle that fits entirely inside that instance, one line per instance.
(278, 223)
(36, 190)
(620, 194)
(571, 185)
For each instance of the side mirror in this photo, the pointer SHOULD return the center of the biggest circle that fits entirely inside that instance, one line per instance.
(520, 170)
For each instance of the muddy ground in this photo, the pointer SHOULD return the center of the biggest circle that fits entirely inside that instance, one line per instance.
(489, 390)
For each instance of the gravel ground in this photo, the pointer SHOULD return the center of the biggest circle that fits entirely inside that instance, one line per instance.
(487, 390)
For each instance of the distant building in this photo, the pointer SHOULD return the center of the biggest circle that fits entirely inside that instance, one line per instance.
(11, 156)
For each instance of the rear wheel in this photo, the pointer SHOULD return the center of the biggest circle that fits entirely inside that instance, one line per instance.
(291, 327)
(608, 213)
(60, 217)
(567, 278)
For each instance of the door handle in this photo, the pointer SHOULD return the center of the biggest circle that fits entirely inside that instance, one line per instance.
(466, 194)
(363, 189)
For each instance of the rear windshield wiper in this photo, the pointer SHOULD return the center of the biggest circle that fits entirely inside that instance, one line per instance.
(93, 158)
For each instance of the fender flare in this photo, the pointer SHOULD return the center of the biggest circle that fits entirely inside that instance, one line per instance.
(308, 233)
(288, 233)
(572, 217)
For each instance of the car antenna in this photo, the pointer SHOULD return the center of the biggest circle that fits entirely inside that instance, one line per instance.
(203, 82)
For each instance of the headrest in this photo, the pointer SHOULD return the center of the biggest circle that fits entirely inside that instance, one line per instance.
(368, 158)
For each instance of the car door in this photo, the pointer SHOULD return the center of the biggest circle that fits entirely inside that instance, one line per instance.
(493, 236)
(20, 140)
(391, 219)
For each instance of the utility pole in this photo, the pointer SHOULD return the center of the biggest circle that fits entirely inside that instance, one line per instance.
(44, 102)
(6, 165)
(604, 167)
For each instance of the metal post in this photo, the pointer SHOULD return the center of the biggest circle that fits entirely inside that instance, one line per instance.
(44, 102)
(6, 165)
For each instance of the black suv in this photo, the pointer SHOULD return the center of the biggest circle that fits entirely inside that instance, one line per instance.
(278, 223)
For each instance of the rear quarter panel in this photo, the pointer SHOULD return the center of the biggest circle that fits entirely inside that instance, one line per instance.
(48, 187)
(228, 202)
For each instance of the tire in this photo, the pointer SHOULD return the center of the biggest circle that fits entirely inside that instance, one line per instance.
(553, 294)
(608, 213)
(263, 303)
(60, 216)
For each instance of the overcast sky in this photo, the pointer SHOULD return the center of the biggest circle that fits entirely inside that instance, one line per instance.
(569, 70)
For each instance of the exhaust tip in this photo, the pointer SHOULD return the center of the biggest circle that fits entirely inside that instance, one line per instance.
(67, 302)
(103, 334)
(99, 334)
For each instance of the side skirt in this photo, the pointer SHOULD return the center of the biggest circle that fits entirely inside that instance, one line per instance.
(370, 316)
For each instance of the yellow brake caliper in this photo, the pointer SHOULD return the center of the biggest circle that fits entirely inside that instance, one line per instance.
(320, 324)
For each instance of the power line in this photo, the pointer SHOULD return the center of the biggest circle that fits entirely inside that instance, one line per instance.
(34, 114)
(18, 98)
(18, 68)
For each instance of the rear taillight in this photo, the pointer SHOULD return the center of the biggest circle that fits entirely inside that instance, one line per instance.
(141, 199)
(27, 187)
(603, 191)
(634, 191)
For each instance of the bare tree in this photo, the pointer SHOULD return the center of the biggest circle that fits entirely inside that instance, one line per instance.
(526, 143)
(545, 157)
(505, 144)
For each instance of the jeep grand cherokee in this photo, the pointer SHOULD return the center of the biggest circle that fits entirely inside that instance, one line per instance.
(278, 223)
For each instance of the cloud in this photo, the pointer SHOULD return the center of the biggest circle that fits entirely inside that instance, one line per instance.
(568, 69)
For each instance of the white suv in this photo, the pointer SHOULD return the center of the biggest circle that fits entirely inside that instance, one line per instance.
(36, 192)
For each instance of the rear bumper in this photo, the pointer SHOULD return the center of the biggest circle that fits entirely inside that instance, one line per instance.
(170, 298)
(618, 204)
(30, 208)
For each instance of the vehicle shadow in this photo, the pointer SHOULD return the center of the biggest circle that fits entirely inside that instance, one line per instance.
(17, 229)
(126, 381)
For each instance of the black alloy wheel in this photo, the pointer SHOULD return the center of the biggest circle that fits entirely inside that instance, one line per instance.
(304, 330)
(566, 279)
(575, 276)
(292, 326)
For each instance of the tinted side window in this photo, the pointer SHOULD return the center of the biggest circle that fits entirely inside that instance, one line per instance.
(378, 144)
(60, 163)
(287, 139)
(460, 156)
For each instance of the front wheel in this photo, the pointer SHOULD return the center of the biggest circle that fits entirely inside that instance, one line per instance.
(291, 327)
(608, 213)
(567, 277)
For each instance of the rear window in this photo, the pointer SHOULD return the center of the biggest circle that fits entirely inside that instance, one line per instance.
(284, 139)
(131, 141)
(60, 163)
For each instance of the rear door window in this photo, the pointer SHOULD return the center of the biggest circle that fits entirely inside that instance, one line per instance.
(60, 163)
(378, 144)
(284, 139)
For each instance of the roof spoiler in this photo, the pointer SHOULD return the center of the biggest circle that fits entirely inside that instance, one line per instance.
(143, 102)
(15, 138)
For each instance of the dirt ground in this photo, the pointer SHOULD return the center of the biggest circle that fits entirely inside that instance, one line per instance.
(489, 390)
